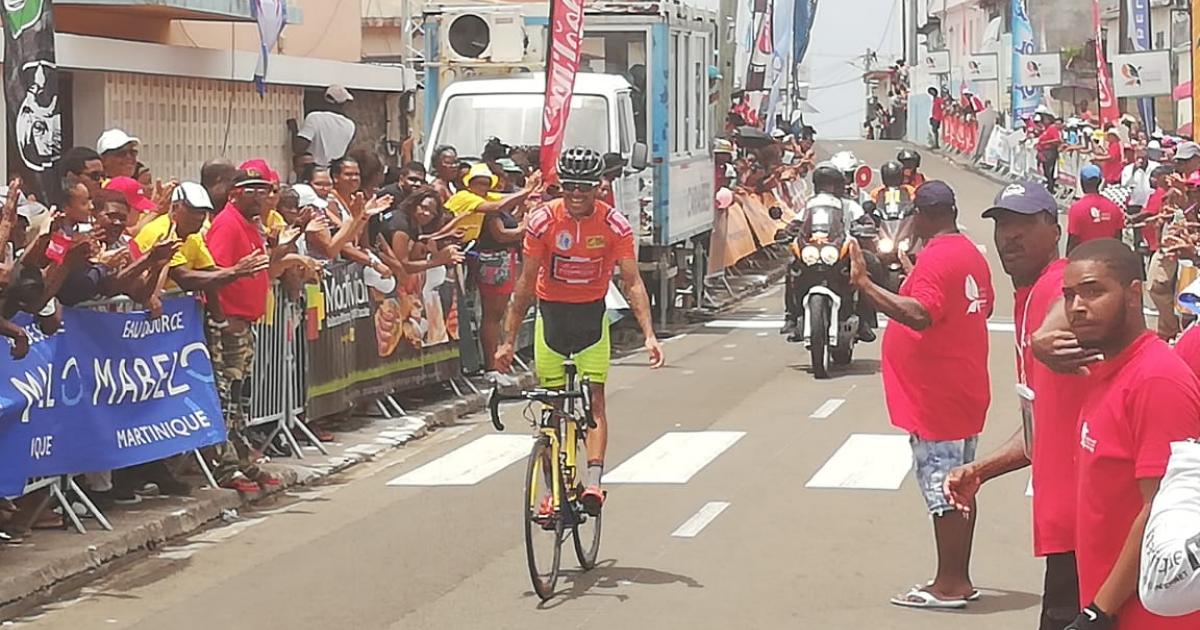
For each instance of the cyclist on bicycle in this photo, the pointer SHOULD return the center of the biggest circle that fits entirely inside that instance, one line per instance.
(571, 247)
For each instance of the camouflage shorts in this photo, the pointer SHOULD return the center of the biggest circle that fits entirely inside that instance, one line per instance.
(232, 359)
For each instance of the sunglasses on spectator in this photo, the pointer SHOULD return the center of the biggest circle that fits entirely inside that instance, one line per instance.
(122, 153)
(256, 190)
(93, 175)
(577, 187)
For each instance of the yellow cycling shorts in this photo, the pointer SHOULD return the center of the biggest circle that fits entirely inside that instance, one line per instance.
(575, 331)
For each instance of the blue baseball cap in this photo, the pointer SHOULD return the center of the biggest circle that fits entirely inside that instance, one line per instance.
(934, 193)
(1025, 198)
(1091, 171)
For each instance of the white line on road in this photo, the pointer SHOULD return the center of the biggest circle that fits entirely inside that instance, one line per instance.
(674, 458)
(469, 464)
(749, 324)
(827, 409)
(701, 519)
(866, 462)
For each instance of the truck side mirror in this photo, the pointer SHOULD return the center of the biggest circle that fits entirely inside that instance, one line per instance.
(639, 158)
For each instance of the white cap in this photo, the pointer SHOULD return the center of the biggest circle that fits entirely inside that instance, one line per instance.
(309, 197)
(338, 95)
(194, 195)
(778, 133)
(114, 139)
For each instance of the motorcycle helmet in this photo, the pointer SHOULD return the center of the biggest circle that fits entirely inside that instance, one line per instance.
(828, 178)
(909, 158)
(892, 174)
(580, 165)
(847, 163)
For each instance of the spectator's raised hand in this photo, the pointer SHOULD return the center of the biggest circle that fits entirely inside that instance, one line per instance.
(162, 195)
(20, 344)
(164, 250)
(358, 205)
(252, 264)
(534, 181)
(290, 235)
(10, 202)
(449, 255)
(378, 205)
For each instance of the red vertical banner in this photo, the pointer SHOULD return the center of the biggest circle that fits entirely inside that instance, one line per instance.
(1110, 113)
(562, 64)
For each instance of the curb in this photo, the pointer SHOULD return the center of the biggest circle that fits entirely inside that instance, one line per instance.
(134, 532)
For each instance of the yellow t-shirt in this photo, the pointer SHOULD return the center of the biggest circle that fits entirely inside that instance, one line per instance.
(193, 253)
(275, 223)
(466, 202)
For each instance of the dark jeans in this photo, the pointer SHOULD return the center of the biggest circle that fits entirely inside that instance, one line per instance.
(936, 126)
(1050, 171)
(1060, 595)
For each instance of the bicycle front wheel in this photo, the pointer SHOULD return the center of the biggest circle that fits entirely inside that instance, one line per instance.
(543, 520)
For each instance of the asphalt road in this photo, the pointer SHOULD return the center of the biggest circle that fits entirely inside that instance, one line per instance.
(736, 419)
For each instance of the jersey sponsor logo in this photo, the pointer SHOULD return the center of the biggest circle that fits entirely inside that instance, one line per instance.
(618, 223)
(595, 242)
(563, 240)
(576, 269)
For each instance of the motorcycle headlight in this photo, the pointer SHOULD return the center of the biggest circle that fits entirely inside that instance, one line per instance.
(886, 245)
(830, 254)
(904, 245)
(810, 255)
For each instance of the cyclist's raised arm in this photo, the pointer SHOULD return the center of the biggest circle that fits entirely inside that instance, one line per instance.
(635, 292)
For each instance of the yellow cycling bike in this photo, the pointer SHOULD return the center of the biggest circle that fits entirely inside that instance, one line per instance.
(550, 498)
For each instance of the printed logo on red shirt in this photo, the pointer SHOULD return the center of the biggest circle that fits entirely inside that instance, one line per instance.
(1086, 440)
(975, 301)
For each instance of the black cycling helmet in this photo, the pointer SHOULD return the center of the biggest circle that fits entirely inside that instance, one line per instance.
(909, 158)
(580, 164)
(892, 174)
(827, 178)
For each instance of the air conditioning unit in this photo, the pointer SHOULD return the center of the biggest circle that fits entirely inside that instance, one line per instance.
(473, 36)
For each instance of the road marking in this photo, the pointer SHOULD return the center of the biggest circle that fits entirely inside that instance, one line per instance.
(748, 324)
(730, 346)
(674, 458)
(866, 462)
(992, 326)
(469, 464)
(827, 409)
(701, 519)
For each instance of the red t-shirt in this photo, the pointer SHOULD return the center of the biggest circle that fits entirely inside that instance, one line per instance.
(939, 109)
(230, 238)
(936, 380)
(1050, 139)
(1056, 403)
(1139, 402)
(1094, 216)
(1188, 348)
(1153, 206)
(577, 256)
(1112, 167)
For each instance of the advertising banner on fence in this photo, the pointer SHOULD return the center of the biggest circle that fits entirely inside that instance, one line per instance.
(562, 63)
(985, 67)
(365, 343)
(1143, 74)
(1041, 70)
(937, 62)
(109, 390)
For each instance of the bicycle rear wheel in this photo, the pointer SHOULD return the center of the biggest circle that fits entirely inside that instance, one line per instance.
(585, 529)
(543, 528)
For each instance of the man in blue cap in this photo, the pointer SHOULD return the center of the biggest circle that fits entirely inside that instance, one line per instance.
(1027, 236)
(1094, 216)
(939, 319)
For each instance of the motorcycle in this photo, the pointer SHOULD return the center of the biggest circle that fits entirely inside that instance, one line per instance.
(890, 215)
(822, 276)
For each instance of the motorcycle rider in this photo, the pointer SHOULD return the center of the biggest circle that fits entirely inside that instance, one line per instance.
(848, 164)
(893, 176)
(830, 190)
(911, 161)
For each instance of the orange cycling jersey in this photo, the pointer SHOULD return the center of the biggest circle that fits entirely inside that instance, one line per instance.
(576, 255)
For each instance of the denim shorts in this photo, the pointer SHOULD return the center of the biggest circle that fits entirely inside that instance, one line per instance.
(934, 460)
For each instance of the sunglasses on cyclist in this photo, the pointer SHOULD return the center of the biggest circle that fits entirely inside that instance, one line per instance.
(570, 187)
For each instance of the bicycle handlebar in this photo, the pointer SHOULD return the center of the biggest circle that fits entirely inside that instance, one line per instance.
(545, 396)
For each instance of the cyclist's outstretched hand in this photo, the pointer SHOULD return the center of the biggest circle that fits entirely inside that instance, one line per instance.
(504, 358)
(655, 349)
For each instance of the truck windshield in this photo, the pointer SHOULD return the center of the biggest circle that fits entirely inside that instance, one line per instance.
(470, 119)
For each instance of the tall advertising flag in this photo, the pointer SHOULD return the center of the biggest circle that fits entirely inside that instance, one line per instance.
(1109, 111)
(1195, 63)
(271, 16)
(779, 58)
(562, 64)
(1138, 12)
(31, 85)
(1025, 100)
(802, 20)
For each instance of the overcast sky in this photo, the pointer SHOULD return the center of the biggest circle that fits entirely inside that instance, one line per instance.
(843, 30)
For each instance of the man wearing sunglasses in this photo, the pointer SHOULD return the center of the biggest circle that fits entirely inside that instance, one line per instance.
(81, 165)
(571, 247)
(119, 153)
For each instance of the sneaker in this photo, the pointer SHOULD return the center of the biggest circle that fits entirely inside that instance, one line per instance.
(789, 327)
(592, 500)
(241, 483)
(268, 481)
(546, 515)
(124, 496)
(865, 334)
(174, 488)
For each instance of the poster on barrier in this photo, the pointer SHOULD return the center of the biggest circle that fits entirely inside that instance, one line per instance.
(762, 226)
(107, 391)
(365, 342)
(731, 239)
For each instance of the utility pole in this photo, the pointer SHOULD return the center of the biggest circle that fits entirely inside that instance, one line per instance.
(910, 31)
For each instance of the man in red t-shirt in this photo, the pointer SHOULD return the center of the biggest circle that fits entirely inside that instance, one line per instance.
(572, 245)
(235, 234)
(1027, 237)
(939, 319)
(1112, 161)
(1094, 215)
(1048, 144)
(1141, 398)
(1150, 217)
(936, 115)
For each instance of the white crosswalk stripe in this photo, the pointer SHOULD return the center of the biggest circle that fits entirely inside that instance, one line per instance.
(469, 464)
(674, 458)
(866, 462)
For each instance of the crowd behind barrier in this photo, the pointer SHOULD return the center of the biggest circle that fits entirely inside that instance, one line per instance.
(745, 227)
(1012, 154)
